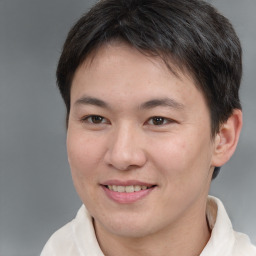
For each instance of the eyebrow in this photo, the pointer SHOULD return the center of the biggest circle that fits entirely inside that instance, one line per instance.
(164, 102)
(92, 101)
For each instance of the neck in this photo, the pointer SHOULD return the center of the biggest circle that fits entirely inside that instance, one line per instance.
(187, 237)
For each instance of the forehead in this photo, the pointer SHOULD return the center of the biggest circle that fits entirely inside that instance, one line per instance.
(163, 60)
(119, 67)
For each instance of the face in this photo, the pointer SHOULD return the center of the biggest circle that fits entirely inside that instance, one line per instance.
(139, 143)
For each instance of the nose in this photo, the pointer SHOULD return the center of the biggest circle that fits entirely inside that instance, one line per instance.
(125, 150)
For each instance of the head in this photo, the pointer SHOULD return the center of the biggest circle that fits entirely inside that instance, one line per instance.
(189, 36)
(151, 90)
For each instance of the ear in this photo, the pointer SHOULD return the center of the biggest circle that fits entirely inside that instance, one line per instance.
(226, 140)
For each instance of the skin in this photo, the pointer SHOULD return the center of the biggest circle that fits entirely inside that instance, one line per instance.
(177, 152)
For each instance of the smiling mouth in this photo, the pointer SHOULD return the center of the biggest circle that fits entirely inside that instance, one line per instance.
(128, 189)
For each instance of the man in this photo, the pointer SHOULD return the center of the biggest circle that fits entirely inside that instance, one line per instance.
(153, 111)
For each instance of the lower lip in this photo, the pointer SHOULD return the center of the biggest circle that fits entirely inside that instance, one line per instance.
(127, 198)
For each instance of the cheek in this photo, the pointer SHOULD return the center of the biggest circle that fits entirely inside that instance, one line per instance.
(170, 154)
(182, 158)
(83, 149)
(185, 173)
(84, 157)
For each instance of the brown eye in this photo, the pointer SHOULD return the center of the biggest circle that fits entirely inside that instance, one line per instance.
(94, 119)
(157, 120)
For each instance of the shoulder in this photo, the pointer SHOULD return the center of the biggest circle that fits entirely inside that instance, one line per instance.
(243, 245)
(59, 242)
(224, 240)
(75, 238)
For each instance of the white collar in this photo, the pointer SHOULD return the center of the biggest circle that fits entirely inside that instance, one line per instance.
(222, 236)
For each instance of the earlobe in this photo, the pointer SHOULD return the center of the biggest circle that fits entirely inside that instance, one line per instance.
(227, 138)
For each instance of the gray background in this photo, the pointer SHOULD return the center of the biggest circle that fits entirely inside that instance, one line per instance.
(36, 191)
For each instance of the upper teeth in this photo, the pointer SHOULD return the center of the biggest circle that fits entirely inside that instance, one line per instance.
(127, 189)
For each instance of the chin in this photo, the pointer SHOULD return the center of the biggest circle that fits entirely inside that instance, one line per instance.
(129, 226)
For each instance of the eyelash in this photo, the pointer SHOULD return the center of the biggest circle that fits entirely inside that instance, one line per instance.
(152, 120)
